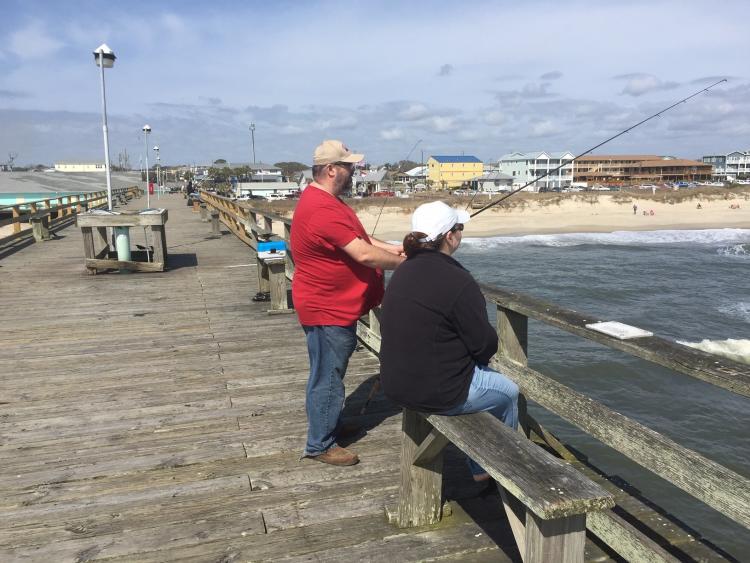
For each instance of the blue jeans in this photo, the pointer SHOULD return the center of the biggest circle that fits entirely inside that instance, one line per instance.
(329, 348)
(489, 391)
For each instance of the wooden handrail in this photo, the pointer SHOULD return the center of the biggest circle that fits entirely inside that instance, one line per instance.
(727, 374)
(21, 212)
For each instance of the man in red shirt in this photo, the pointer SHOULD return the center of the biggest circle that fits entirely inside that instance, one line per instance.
(338, 276)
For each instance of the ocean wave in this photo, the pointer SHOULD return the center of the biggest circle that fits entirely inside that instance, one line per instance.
(730, 238)
(737, 350)
(741, 250)
(738, 310)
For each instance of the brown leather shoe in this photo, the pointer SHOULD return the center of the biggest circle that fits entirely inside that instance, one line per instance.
(338, 456)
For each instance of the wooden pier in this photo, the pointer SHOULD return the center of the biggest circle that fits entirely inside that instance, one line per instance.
(160, 417)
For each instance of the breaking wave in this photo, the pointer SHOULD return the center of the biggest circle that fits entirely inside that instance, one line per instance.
(736, 239)
(737, 350)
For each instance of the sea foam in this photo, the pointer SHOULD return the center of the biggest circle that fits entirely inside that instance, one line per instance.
(737, 350)
(738, 310)
(730, 238)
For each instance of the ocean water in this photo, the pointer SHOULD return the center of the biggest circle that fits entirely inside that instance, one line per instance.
(689, 286)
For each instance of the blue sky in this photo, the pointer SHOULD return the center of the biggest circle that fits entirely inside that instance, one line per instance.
(482, 78)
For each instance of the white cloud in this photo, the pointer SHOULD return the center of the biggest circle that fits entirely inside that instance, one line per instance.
(344, 122)
(544, 128)
(495, 118)
(392, 134)
(640, 83)
(441, 124)
(32, 42)
(414, 111)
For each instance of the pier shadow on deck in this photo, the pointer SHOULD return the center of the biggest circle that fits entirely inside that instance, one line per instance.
(160, 416)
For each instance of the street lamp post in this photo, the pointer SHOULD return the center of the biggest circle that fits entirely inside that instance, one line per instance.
(252, 134)
(158, 171)
(104, 57)
(146, 131)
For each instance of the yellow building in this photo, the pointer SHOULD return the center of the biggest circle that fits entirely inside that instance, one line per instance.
(452, 171)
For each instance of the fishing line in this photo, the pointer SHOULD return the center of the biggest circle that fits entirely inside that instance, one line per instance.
(385, 199)
(566, 163)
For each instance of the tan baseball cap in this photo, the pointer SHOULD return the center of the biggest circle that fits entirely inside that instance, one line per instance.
(331, 151)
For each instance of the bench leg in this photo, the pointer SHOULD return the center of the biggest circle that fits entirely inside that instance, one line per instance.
(420, 495)
(559, 539)
(263, 278)
(88, 246)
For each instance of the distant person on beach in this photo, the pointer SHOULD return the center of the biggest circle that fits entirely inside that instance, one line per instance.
(338, 277)
(436, 337)
(699, 206)
(635, 209)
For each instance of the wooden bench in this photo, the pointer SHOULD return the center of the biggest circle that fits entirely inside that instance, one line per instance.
(141, 261)
(547, 501)
(40, 225)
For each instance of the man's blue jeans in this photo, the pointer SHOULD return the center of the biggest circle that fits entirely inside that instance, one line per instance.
(489, 391)
(329, 348)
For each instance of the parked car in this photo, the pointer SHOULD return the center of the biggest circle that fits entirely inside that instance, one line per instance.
(275, 197)
(383, 193)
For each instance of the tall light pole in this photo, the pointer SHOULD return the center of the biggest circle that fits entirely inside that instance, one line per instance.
(104, 57)
(146, 131)
(158, 171)
(252, 135)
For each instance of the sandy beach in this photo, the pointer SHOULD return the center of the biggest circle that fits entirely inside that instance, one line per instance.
(571, 213)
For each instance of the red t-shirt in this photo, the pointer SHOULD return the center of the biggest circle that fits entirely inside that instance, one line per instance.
(329, 287)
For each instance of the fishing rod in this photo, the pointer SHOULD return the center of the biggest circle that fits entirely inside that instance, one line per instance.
(566, 163)
(385, 199)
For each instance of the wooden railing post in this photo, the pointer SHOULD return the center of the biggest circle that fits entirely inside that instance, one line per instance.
(513, 336)
(420, 494)
(16, 213)
(215, 222)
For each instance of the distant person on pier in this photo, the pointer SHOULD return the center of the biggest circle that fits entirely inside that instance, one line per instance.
(338, 277)
(436, 337)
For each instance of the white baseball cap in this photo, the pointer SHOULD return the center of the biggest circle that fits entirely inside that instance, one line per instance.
(435, 219)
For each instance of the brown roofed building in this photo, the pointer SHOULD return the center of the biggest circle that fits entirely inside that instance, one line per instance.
(637, 168)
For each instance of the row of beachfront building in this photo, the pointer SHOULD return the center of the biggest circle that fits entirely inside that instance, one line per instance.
(559, 170)
(509, 171)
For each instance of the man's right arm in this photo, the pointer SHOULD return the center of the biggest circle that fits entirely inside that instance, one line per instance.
(372, 256)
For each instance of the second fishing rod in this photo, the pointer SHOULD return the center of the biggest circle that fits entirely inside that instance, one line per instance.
(569, 162)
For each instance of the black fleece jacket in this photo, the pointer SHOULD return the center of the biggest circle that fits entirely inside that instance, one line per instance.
(434, 330)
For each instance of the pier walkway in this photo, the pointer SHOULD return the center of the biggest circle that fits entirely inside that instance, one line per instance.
(160, 417)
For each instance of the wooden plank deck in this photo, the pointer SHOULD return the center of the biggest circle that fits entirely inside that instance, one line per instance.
(160, 417)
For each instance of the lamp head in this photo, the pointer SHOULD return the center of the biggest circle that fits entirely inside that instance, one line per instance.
(147, 129)
(156, 148)
(104, 56)
(252, 127)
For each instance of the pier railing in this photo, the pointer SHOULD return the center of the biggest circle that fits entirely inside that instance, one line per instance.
(58, 209)
(629, 535)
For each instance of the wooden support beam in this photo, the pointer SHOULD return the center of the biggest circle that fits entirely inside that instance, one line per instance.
(430, 447)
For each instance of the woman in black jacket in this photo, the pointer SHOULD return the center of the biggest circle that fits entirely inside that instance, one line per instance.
(436, 337)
